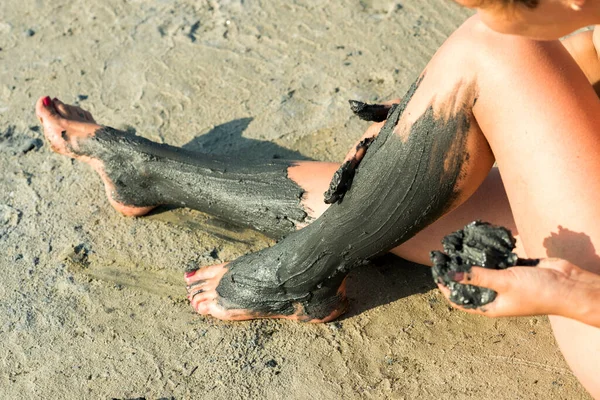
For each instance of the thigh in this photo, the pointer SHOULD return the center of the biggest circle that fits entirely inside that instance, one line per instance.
(543, 130)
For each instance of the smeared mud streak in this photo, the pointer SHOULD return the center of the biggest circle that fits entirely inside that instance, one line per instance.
(342, 178)
(257, 194)
(477, 244)
(404, 184)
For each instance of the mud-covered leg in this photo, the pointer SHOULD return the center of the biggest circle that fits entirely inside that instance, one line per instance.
(139, 174)
(417, 169)
(248, 192)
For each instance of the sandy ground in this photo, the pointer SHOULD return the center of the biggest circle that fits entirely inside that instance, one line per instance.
(92, 304)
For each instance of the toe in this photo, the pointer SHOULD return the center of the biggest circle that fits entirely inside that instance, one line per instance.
(80, 113)
(50, 119)
(44, 108)
(205, 273)
(60, 126)
(193, 293)
(71, 112)
(63, 109)
(201, 284)
(88, 116)
(202, 302)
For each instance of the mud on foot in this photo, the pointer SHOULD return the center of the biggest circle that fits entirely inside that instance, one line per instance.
(204, 293)
(68, 128)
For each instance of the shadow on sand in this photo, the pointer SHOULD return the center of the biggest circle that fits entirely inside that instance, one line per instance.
(385, 280)
(227, 139)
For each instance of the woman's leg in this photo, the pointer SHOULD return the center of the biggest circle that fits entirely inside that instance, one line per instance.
(135, 171)
(429, 157)
(541, 119)
(139, 174)
(526, 101)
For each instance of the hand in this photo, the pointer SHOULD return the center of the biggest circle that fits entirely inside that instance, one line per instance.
(342, 179)
(356, 154)
(554, 287)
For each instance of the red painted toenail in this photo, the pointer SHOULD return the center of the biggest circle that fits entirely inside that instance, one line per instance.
(46, 100)
(190, 274)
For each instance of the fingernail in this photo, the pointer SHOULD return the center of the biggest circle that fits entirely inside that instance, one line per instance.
(190, 273)
(46, 100)
(456, 276)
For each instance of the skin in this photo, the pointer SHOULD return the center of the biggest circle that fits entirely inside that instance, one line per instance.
(575, 277)
(551, 278)
(539, 183)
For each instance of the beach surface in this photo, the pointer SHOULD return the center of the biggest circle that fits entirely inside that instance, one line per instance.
(92, 304)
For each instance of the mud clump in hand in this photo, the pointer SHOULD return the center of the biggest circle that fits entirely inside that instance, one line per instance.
(477, 244)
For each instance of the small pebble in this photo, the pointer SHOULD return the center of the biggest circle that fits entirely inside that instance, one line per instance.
(30, 32)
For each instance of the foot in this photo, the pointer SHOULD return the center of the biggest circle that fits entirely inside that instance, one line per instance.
(68, 128)
(208, 296)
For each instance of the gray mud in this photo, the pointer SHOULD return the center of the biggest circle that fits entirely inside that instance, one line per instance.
(248, 192)
(369, 112)
(478, 244)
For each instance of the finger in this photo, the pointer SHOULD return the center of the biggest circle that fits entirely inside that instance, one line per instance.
(371, 133)
(528, 262)
(392, 101)
(445, 291)
(494, 279)
(488, 310)
(372, 112)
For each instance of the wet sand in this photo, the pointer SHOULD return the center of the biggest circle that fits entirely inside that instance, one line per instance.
(92, 304)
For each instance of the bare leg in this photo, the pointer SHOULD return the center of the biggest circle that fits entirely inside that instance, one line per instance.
(545, 140)
(541, 118)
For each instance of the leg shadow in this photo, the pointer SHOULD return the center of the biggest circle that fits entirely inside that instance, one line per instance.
(385, 280)
(227, 139)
